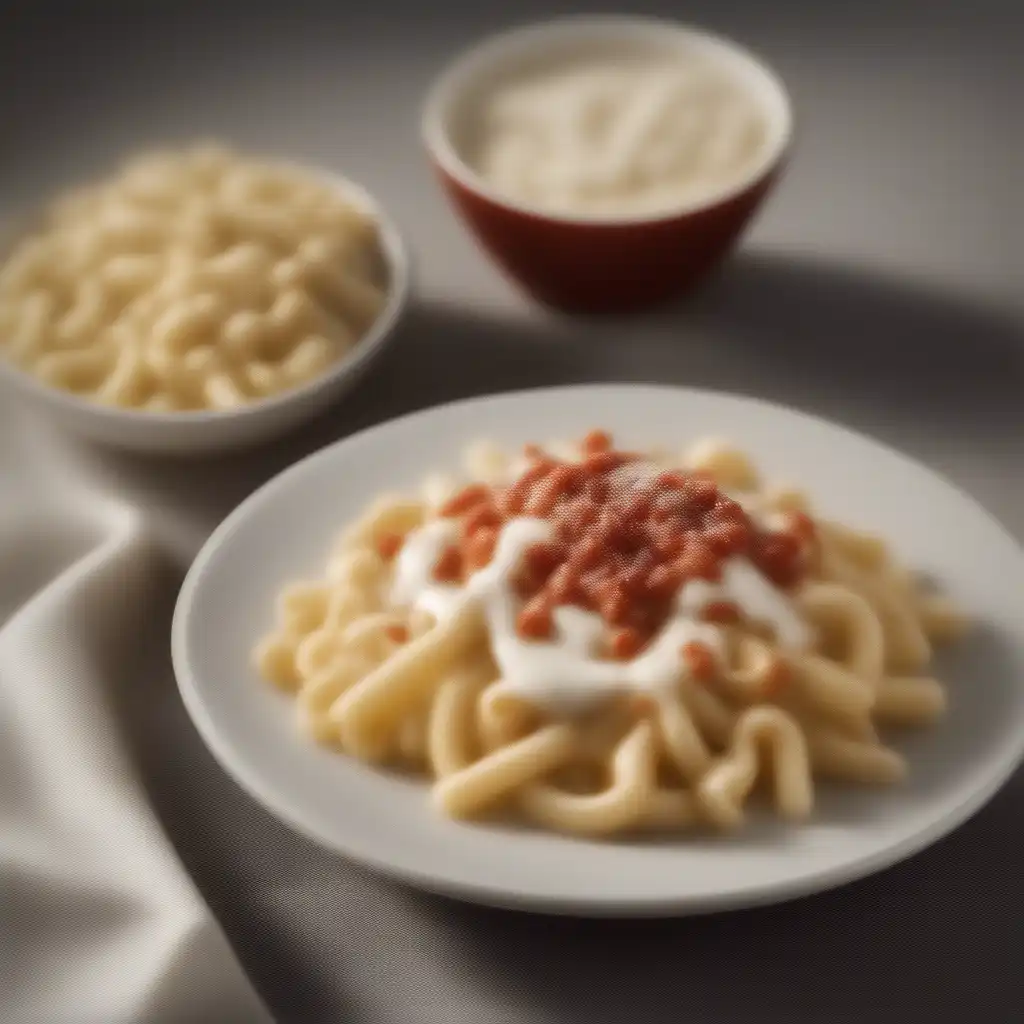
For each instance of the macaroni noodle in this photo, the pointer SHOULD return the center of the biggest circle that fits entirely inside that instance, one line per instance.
(192, 280)
(600, 641)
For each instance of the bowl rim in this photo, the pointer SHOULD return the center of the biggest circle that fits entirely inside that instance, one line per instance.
(461, 71)
(399, 268)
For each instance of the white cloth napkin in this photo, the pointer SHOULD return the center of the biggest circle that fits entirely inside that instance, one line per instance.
(102, 924)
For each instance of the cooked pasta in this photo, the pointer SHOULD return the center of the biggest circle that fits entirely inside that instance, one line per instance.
(601, 641)
(192, 280)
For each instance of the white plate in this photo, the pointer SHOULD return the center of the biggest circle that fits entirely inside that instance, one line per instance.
(282, 533)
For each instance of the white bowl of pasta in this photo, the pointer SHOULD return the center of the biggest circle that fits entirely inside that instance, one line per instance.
(587, 679)
(199, 300)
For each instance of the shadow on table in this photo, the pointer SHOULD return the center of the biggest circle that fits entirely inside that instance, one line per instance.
(902, 946)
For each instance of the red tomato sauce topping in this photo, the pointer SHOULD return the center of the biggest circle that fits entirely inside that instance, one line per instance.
(623, 544)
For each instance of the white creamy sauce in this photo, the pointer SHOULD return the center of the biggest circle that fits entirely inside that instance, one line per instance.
(627, 135)
(770, 519)
(564, 675)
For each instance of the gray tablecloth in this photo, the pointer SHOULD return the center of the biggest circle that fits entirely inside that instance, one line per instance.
(878, 289)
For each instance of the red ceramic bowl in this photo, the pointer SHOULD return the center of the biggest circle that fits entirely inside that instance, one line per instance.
(581, 263)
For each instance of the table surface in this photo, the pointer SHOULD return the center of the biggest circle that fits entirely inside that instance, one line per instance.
(880, 288)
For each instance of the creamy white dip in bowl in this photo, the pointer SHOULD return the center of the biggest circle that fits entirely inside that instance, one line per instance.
(607, 162)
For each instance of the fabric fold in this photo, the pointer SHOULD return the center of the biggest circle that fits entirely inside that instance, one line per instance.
(104, 924)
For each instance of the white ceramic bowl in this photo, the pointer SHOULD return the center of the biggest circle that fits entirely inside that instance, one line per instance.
(206, 431)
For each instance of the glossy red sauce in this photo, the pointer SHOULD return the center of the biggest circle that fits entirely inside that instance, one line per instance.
(621, 548)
